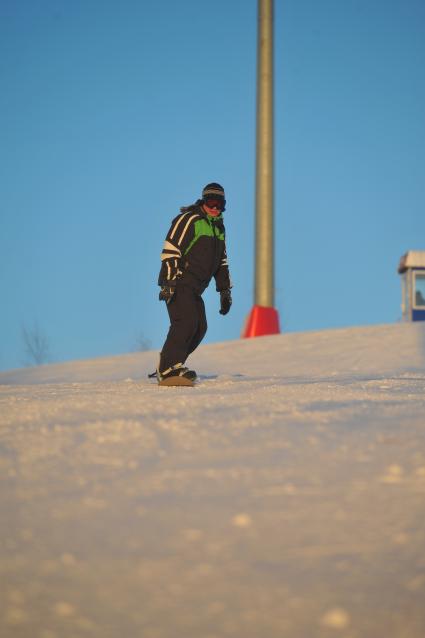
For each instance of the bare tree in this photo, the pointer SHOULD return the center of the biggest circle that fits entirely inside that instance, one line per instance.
(36, 345)
(142, 343)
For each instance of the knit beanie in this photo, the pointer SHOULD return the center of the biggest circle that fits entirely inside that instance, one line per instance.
(213, 190)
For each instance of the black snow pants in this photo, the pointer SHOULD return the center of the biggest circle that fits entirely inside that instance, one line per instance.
(188, 325)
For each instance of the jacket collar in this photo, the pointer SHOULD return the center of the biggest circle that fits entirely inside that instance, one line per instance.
(210, 217)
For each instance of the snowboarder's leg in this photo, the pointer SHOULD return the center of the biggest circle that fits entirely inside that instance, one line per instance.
(202, 326)
(184, 324)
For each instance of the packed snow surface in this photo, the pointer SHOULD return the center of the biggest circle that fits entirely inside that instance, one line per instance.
(283, 496)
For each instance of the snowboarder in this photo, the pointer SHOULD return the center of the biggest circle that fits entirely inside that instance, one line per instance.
(194, 251)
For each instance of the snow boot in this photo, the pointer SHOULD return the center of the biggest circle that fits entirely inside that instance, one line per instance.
(176, 375)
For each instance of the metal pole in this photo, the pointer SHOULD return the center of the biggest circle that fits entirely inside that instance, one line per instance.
(264, 318)
(264, 244)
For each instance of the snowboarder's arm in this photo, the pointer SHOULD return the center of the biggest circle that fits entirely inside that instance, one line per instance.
(178, 238)
(222, 275)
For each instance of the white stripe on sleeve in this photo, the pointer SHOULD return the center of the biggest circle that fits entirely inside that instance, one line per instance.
(186, 227)
(176, 225)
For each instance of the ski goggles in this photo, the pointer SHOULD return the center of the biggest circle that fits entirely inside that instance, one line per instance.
(214, 202)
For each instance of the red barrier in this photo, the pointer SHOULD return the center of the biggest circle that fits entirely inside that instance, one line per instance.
(261, 321)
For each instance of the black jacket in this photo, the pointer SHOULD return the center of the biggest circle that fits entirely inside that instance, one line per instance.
(195, 251)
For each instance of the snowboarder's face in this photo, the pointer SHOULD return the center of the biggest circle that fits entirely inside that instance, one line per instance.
(213, 207)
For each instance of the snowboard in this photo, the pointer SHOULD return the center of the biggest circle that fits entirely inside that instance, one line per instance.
(177, 381)
(174, 381)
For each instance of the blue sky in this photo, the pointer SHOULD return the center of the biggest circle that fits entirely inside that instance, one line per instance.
(115, 114)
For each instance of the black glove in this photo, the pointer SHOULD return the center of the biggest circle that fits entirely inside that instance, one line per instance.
(225, 301)
(167, 293)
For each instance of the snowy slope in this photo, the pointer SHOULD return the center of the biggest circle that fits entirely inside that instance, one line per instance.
(372, 349)
(282, 496)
